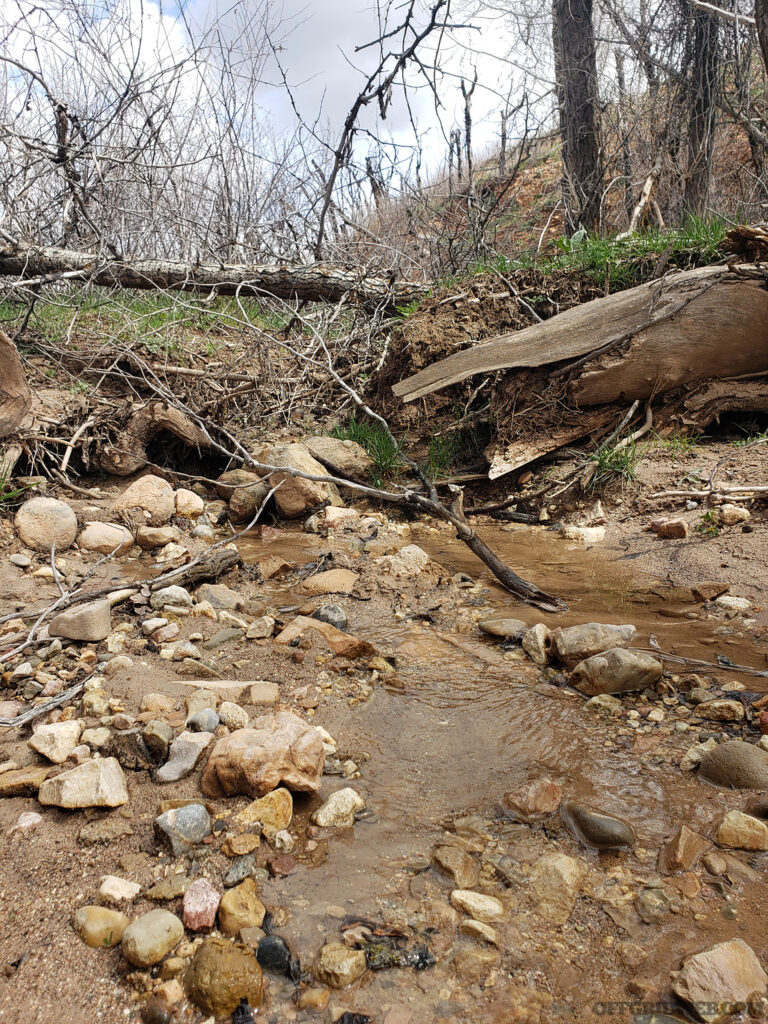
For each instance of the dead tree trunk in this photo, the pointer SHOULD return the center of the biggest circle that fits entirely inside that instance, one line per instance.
(576, 76)
(701, 124)
(761, 20)
(311, 282)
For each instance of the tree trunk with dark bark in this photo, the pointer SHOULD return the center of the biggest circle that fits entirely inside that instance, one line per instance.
(705, 77)
(576, 75)
(761, 19)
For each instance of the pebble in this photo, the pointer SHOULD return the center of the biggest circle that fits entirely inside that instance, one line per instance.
(339, 966)
(503, 628)
(43, 522)
(339, 809)
(556, 879)
(275, 957)
(727, 973)
(185, 751)
(741, 831)
(205, 720)
(117, 890)
(260, 629)
(594, 828)
(174, 596)
(736, 765)
(27, 821)
(151, 937)
(157, 736)
(57, 740)
(20, 561)
(232, 715)
(98, 783)
(242, 867)
(87, 623)
(537, 643)
(99, 927)
(240, 907)
(479, 906)
(460, 867)
(532, 801)
(199, 905)
(184, 827)
(333, 614)
(169, 888)
(221, 975)
(272, 812)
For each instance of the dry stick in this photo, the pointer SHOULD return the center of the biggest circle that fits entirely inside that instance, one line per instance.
(40, 709)
(66, 599)
(71, 444)
(680, 660)
(714, 491)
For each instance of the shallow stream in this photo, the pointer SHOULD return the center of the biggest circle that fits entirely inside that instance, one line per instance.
(464, 724)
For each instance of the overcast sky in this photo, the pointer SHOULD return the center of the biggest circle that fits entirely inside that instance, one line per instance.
(318, 39)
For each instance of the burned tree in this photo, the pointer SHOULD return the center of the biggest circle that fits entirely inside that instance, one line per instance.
(573, 39)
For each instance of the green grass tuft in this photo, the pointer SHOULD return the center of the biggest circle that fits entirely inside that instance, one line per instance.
(385, 452)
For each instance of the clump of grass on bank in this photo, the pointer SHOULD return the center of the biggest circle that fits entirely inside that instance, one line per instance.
(622, 263)
(614, 464)
(385, 452)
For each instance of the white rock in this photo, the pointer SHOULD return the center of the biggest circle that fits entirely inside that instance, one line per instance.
(105, 538)
(189, 504)
(583, 534)
(151, 494)
(232, 715)
(694, 755)
(537, 643)
(729, 515)
(174, 596)
(408, 561)
(339, 809)
(116, 890)
(57, 740)
(99, 783)
(477, 905)
(149, 626)
(43, 522)
(733, 604)
(27, 821)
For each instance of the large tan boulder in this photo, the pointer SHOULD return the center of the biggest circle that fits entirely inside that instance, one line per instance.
(575, 643)
(728, 973)
(298, 496)
(616, 671)
(43, 522)
(151, 494)
(279, 748)
(342, 458)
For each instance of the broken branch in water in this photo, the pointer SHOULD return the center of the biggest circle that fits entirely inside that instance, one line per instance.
(678, 659)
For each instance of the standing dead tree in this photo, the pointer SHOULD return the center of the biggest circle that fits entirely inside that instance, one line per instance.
(579, 109)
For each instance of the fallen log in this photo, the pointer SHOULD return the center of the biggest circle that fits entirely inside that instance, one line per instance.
(308, 282)
(145, 424)
(691, 330)
(698, 324)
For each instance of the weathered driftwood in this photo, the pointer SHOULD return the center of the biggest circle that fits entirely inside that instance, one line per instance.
(129, 454)
(710, 322)
(310, 282)
(210, 567)
(15, 396)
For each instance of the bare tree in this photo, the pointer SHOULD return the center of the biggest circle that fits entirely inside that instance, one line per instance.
(579, 110)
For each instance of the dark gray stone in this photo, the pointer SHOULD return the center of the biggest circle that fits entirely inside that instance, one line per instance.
(184, 827)
(595, 829)
(333, 614)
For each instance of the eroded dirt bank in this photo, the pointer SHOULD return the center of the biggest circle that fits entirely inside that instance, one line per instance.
(440, 730)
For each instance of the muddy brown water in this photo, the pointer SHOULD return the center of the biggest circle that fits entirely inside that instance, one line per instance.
(463, 726)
